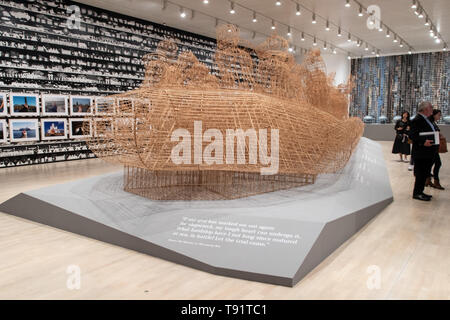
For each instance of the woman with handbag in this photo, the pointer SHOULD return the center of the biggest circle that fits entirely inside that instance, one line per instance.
(434, 118)
(401, 145)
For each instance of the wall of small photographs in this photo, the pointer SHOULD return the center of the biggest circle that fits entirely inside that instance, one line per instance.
(52, 74)
(385, 86)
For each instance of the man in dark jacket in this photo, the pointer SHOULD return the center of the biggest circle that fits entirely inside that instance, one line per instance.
(424, 149)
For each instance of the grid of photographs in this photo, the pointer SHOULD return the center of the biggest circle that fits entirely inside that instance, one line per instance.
(59, 117)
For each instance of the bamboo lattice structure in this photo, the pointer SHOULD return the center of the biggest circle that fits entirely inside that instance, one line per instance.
(316, 134)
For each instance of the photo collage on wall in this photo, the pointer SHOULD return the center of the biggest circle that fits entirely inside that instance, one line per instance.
(31, 118)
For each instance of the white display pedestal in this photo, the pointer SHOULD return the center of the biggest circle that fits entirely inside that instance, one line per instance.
(276, 237)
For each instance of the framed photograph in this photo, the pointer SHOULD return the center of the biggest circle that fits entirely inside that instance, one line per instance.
(77, 128)
(3, 106)
(2, 131)
(125, 106)
(24, 104)
(23, 130)
(81, 105)
(54, 105)
(53, 129)
(104, 106)
(103, 127)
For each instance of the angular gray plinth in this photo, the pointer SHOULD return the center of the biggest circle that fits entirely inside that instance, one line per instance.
(307, 223)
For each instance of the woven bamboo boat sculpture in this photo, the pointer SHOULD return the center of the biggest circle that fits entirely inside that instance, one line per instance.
(275, 101)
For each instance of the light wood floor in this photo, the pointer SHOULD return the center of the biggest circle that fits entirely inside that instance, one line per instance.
(409, 242)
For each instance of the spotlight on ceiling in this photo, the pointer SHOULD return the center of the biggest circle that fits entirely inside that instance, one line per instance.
(298, 12)
(232, 11)
(182, 13)
(347, 3)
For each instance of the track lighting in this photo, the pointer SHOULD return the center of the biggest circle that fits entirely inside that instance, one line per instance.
(378, 53)
(401, 44)
(347, 3)
(437, 40)
(327, 27)
(445, 48)
(205, 1)
(278, 3)
(360, 14)
(414, 5)
(420, 13)
(395, 39)
(303, 37)
(254, 17)
(315, 42)
(339, 32)
(427, 23)
(314, 18)
(298, 12)
(334, 51)
(325, 46)
(273, 25)
(349, 39)
(366, 48)
(410, 51)
(232, 11)
(358, 43)
(387, 34)
(289, 33)
(349, 57)
(381, 27)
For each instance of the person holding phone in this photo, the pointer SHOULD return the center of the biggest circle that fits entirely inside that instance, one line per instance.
(424, 148)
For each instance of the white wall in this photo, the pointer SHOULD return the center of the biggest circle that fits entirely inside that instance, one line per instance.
(337, 63)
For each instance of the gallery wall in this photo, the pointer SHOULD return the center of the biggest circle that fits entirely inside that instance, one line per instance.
(55, 52)
(385, 86)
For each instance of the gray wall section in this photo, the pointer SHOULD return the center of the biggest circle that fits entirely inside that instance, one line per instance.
(385, 132)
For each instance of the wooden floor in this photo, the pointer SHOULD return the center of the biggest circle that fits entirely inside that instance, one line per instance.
(409, 243)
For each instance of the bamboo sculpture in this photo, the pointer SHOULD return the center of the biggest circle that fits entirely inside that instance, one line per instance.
(315, 133)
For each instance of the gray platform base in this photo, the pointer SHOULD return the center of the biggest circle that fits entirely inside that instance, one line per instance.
(276, 237)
